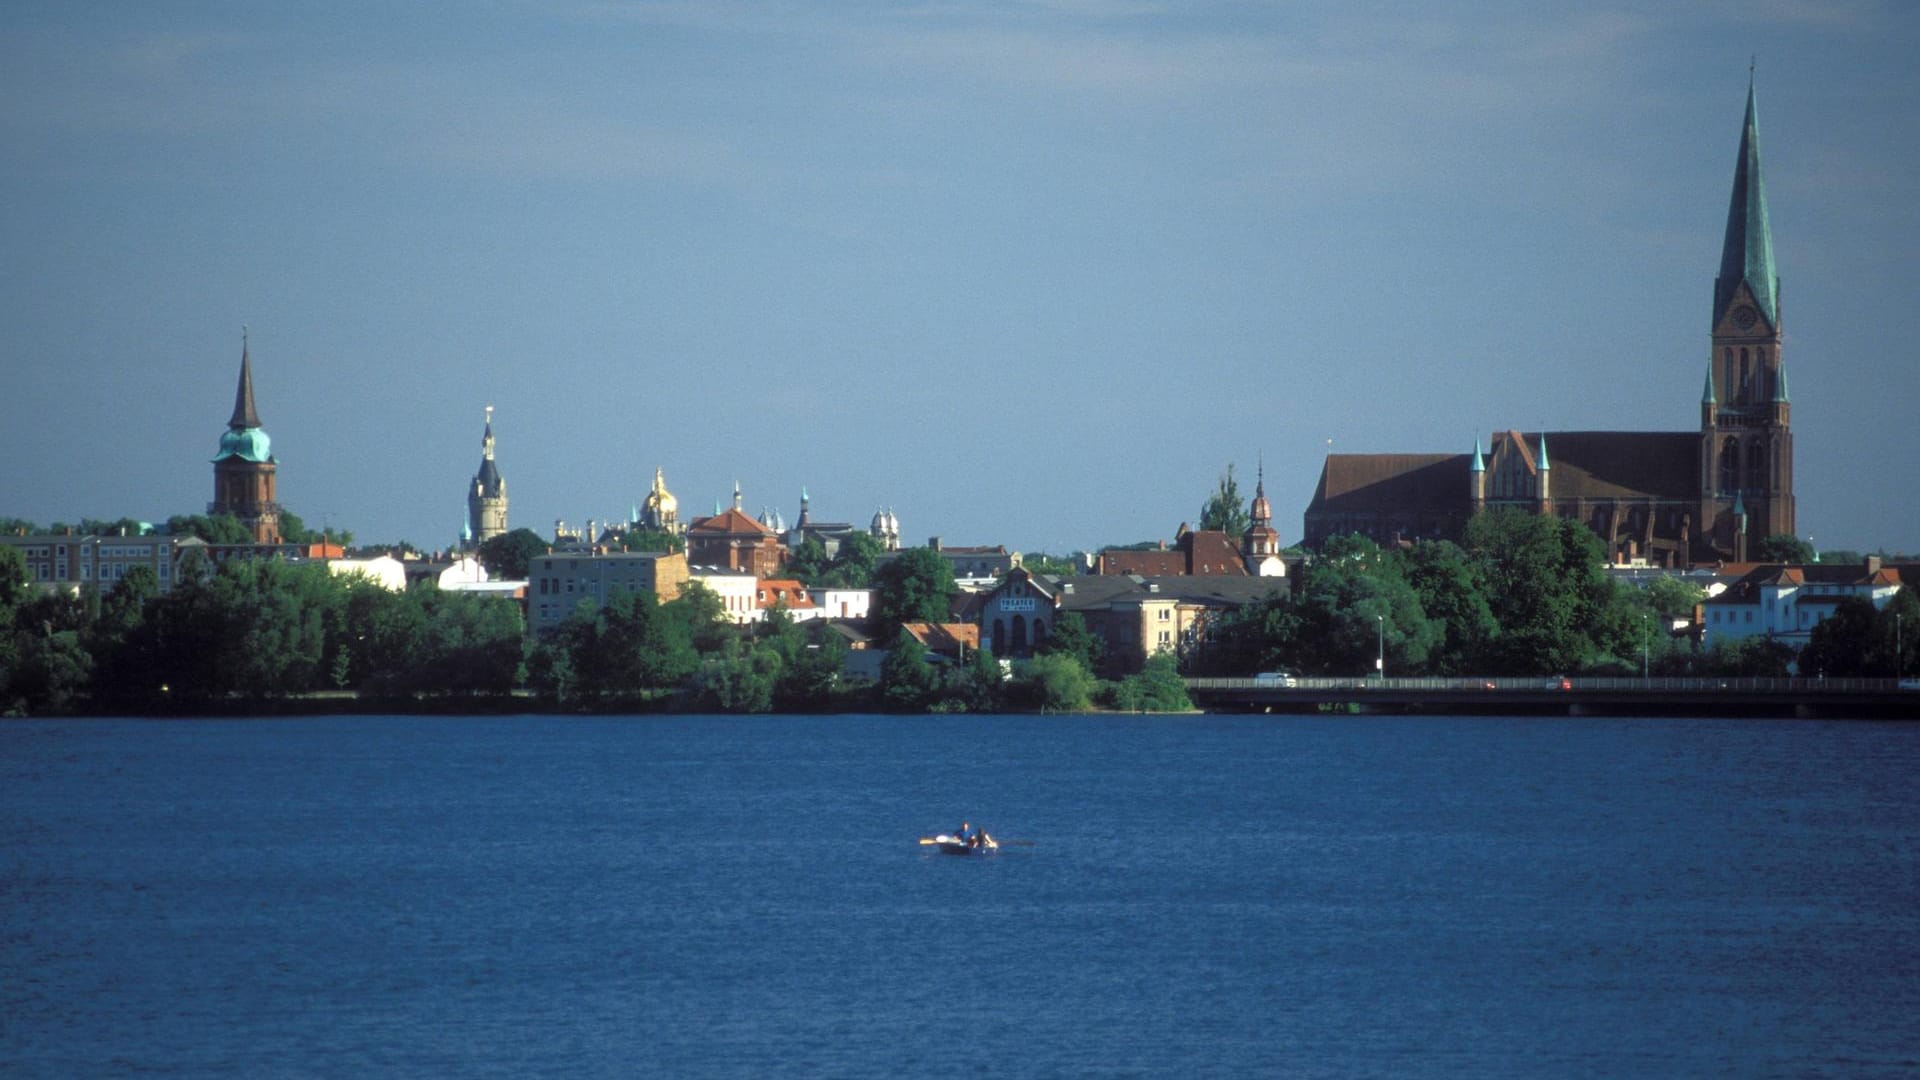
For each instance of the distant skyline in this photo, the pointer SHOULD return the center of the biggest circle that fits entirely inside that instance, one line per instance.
(1027, 273)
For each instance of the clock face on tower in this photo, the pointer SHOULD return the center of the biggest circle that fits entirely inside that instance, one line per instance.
(1744, 317)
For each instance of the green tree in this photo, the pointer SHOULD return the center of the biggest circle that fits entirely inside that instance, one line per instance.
(1672, 599)
(1859, 641)
(509, 556)
(1056, 683)
(740, 678)
(125, 526)
(631, 644)
(1352, 601)
(1071, 636)
(1449, 590)
(215, 529)
(118, 672)
(1783, 548)
(1545, 584)
(907, 680)
(1058, 566)
(703, 615)
(810, 674)
(636, 538)
(470, 644)
(915, 586)
(1225, 510)
(1157, 687)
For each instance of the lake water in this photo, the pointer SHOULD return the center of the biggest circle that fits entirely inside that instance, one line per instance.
(744, 897)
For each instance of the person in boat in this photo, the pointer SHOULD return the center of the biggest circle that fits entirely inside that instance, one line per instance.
(964, 833)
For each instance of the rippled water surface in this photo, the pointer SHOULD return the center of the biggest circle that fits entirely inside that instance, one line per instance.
(701, 896)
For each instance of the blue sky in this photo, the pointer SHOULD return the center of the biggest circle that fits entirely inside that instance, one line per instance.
(1027, 273)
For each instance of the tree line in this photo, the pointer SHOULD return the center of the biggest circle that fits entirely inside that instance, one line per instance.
(1521, 594)
(255, 634)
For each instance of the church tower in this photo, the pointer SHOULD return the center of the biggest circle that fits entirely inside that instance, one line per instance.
(243, 471)
(1746, 445)
(1260, 547)
(487, 498)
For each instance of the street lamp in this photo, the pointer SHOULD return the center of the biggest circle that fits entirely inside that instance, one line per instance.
(1380, 664)
(1643, 645)
(1899, 649)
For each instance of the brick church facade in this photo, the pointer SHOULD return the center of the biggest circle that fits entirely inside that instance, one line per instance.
(1669, 498)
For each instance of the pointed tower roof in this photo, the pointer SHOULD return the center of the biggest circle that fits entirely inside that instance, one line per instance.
(1747, 254)
(244, 414)
(1706, 396)
(1780, 384)
(1479, 463)
(487, 480)
(1544, 465)
(1739, 507)
(1262, 511)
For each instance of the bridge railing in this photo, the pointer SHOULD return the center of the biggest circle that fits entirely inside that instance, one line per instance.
(1543, 684)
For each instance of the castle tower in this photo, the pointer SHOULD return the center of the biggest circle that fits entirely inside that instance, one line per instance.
(487, 498)
(243, 470)
(1746, 442)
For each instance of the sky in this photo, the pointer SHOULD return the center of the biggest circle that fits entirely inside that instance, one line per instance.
(1029, 273)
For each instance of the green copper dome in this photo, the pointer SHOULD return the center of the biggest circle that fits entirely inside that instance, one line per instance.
(247, 444)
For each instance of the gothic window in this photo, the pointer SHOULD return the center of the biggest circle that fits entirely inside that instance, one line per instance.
(1729, 465)
(1756, 468)
(1746, 375)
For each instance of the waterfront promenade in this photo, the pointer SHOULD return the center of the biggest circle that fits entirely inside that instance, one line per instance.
(1566, 696)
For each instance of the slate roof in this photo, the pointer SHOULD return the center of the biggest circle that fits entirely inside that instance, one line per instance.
(1622, 464)
(1350, 482)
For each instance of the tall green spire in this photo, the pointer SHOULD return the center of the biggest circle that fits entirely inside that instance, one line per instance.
(1747, 254)
(1706, 396)
(1479, 463)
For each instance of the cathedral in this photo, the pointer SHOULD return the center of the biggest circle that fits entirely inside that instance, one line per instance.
(1672, 499)
(243, 470)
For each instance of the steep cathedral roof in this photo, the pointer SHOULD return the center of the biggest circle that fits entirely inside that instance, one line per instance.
(1747, 254)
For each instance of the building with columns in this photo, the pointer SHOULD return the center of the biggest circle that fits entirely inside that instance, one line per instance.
(1665, 498)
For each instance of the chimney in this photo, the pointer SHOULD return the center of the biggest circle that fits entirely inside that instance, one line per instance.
(1873, 565)
(933, 542)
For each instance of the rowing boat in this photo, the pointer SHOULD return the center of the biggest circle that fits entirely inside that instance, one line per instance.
(953, 845)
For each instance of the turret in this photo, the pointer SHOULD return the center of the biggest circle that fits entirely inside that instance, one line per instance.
(1546, 477)
(1477, 477)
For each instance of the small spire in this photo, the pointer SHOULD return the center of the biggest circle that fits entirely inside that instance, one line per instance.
(1479, 463)
(1780, 385)
(1740, 509)
(1544, 465)
(736, 494)
(1706, 396)
(244, 414)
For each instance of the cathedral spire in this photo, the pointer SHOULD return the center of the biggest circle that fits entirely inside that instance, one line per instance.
(244, 414)
(1747, 254)
(1706, 396)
